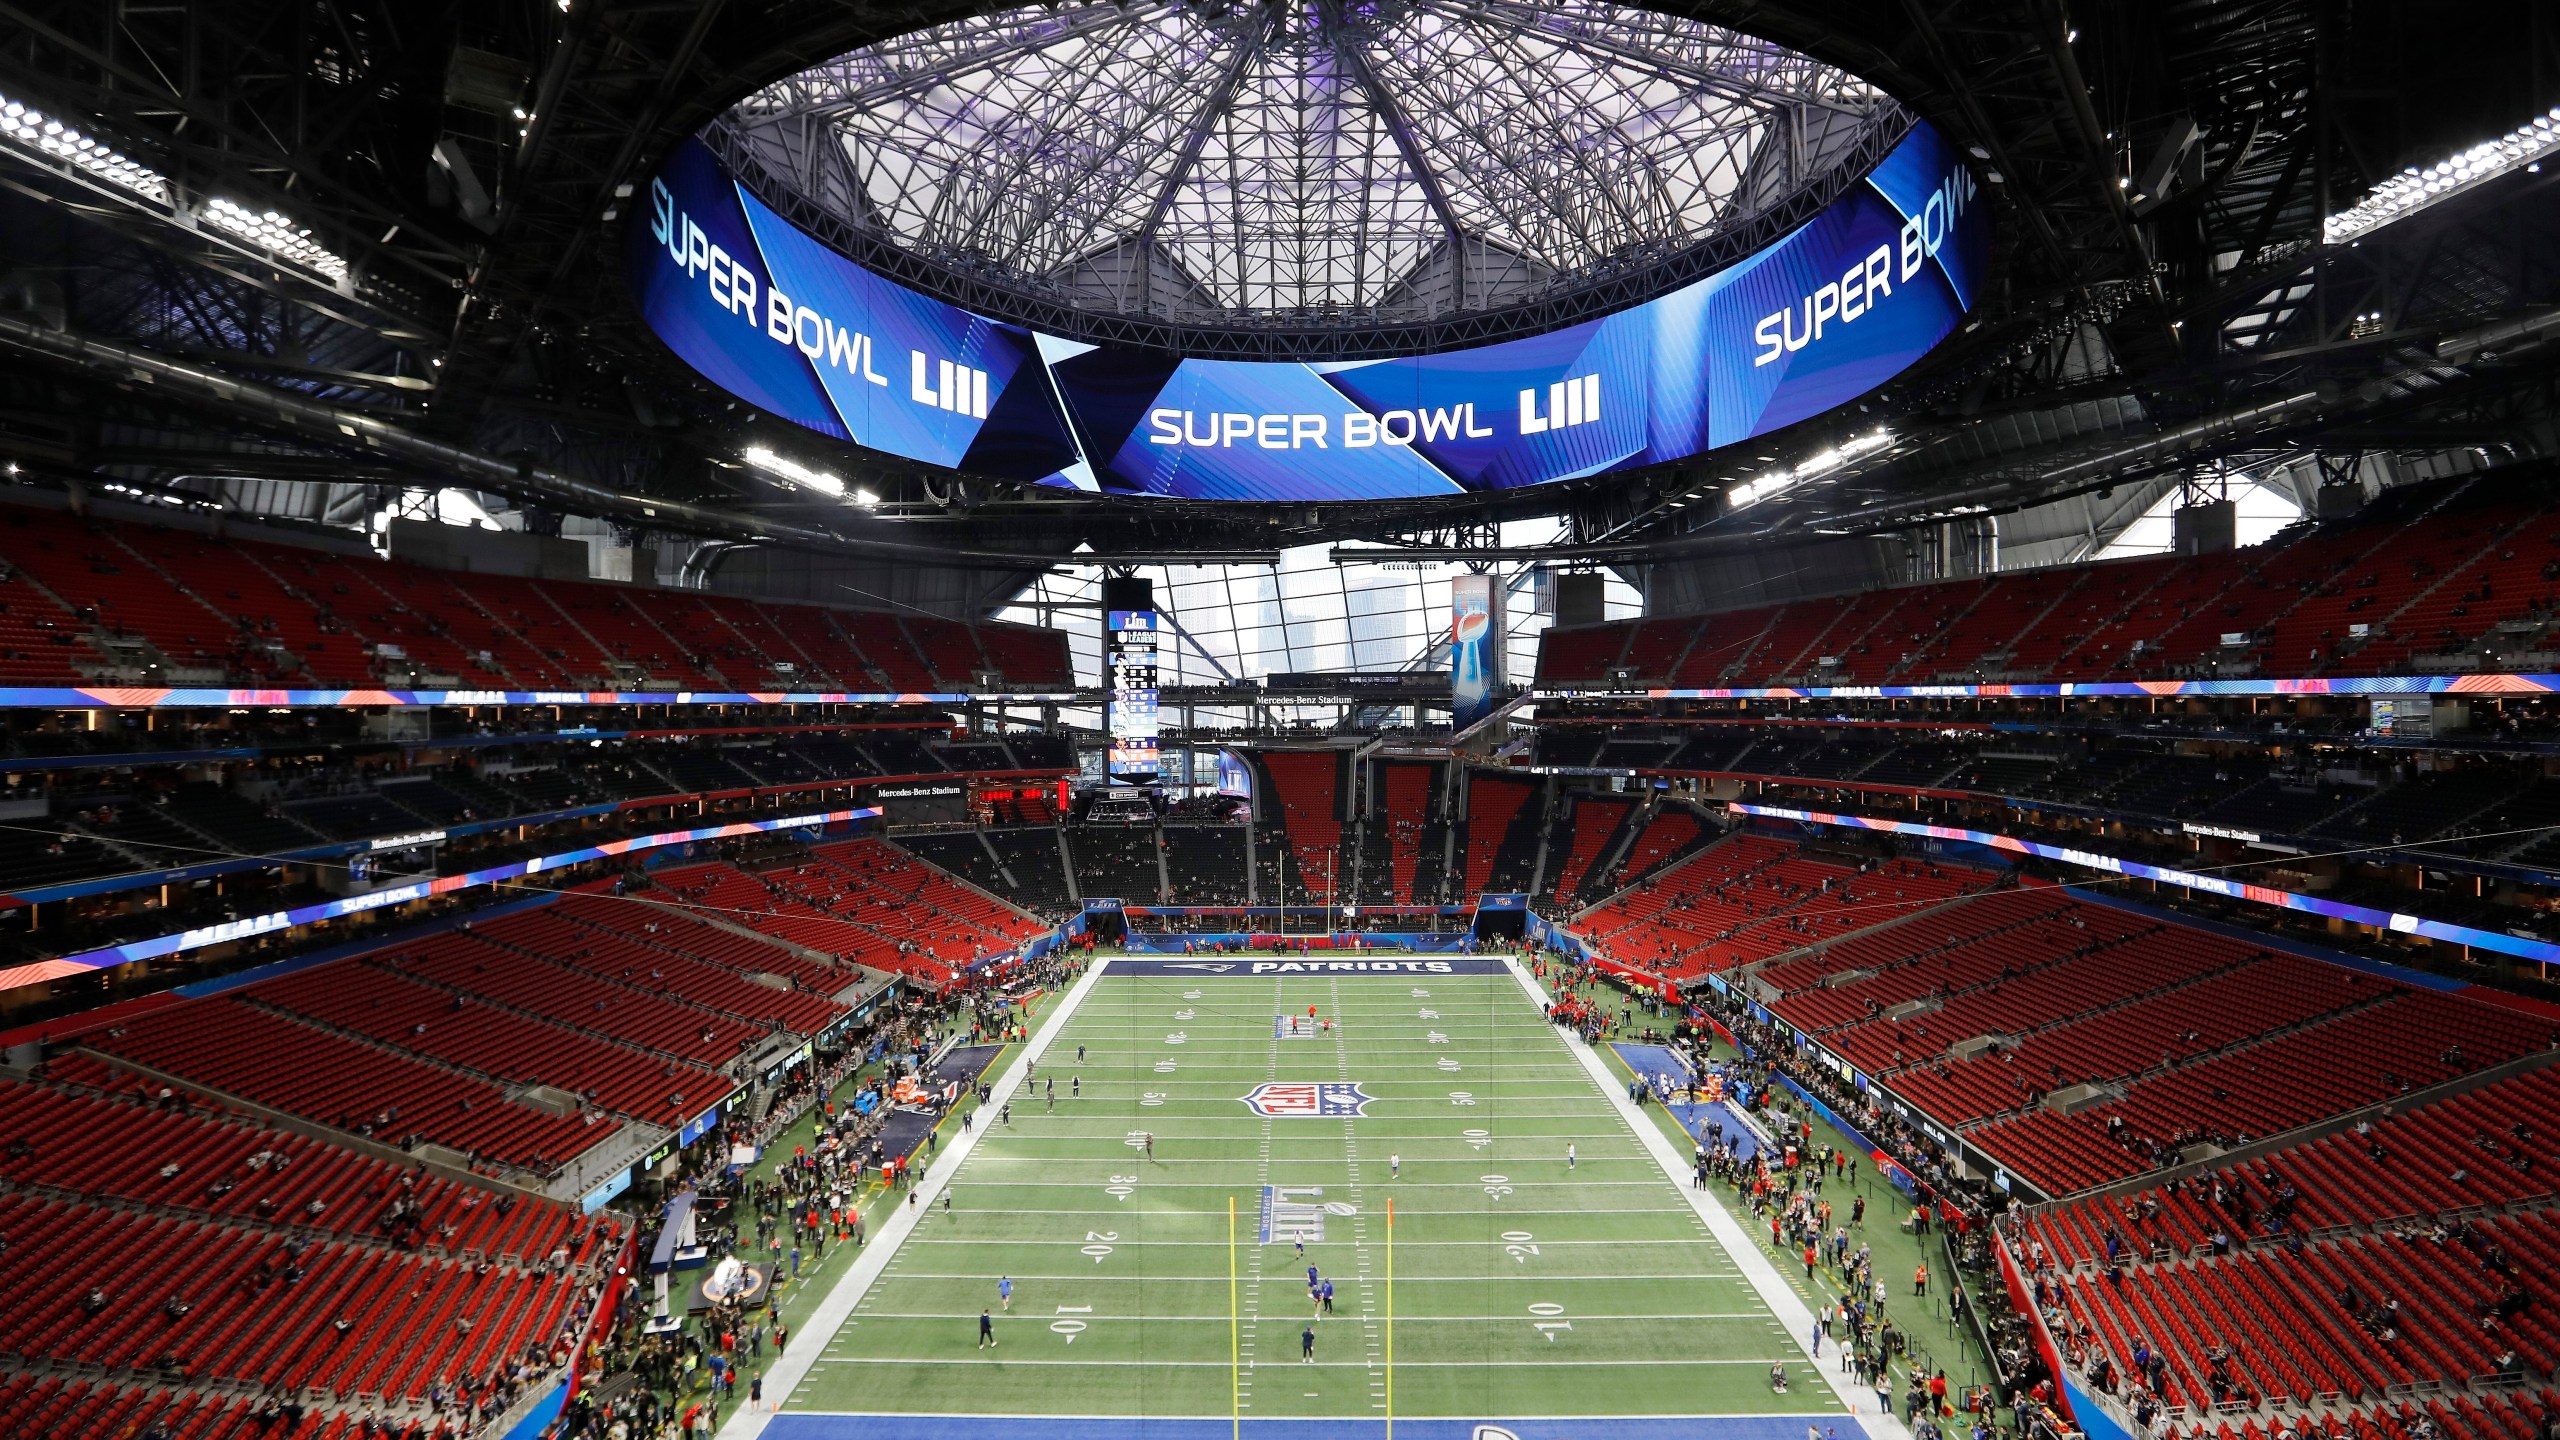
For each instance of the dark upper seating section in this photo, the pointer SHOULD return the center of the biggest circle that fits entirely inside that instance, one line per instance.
(83, 601)
(2414, 584)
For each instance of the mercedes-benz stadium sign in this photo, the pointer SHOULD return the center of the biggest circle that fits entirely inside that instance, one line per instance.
(1838, 307)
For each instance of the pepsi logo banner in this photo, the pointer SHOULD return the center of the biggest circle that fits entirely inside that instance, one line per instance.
(1827, 313)
(1282, 1100)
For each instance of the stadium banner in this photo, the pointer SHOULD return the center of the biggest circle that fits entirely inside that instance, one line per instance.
(268, 924)
(1323, 911)
(150, 697)
(919, 802)
(1820, 316)
(1352, 682)
(1476, 647)
(2526, 683)
(1347, 965)
(154, 697)
(2505, 944)
(1435, 942)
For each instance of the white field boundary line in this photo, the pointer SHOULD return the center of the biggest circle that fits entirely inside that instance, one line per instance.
(819, 1330)
(1313, 1420)
(1144, 1419)
(1793, 1314)
(1610, 1277)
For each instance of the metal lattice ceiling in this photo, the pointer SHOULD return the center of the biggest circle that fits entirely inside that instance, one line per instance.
(1366, 159)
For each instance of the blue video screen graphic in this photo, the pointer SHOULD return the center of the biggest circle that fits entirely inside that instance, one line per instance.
(1824, 315)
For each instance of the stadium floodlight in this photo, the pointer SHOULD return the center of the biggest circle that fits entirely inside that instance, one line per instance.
(278, 236)
(1778, 482)
(783, 467)
(2413, 189)
(31, 129)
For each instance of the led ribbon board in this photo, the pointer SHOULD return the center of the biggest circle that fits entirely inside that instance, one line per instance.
(2539, 683)
(2499, 941)
(150, 697)
(1835, 308)
(268, 924)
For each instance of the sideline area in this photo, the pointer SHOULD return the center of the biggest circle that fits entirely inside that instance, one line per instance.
(1754, 1263)
(836, 1306)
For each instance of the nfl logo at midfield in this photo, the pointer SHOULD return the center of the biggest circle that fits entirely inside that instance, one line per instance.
(1280, 1099)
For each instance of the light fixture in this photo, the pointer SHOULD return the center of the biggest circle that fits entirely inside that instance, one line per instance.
(792, 470)
(2415, 189)
(31, 129)
(276, 235)
(1778, 482)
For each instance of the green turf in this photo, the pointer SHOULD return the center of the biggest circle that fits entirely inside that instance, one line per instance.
(1520, 1287)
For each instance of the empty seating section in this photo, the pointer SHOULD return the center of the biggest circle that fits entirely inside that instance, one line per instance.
(217, 1302)
(823, 640)
(1985, 640)
(82, 599)
(2426, 572)
(1655, 646)
(40, 641)
(1205, 864)
(865, 901)
(887, 648)
(1495, 809)
(435, 630)
(521, 608)
(707, 639)
(2391, 1037)
(1567, 657)
(497, 1043)
(768, 908)
(2179, 1025)
(211, 1167)
(1306, 785)
(1823, 899)
(114, 590)
(1763, 898)
(1721, 642)
(1595, 823)
(230, 1046)
(553, 987)
(549, 934)
(1026, 657)
(1120, 861)
(648, 656)
(2337, 1180)
(661, 928)
(1664, 921)
(2326, 1246)
(1407, 815)
(239, 587)
(948, 647)
(1959, 962)
(1669, 833)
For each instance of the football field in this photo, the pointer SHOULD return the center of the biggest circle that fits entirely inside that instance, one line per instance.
(1158, 1213)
